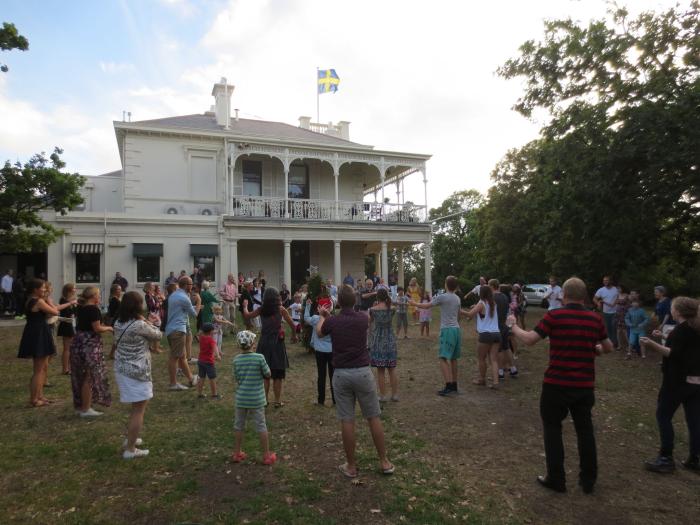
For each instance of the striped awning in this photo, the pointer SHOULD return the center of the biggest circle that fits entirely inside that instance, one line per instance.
(86, 247)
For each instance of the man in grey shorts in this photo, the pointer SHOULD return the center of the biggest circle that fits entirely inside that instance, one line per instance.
(352, 378)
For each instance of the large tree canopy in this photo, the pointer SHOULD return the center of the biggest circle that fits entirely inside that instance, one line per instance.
(612, 184)
(27, 191)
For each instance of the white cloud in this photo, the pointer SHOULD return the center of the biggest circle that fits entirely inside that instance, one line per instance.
(113, 68)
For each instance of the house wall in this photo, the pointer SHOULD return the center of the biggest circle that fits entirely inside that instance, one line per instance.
(102, 193)
(161, 172)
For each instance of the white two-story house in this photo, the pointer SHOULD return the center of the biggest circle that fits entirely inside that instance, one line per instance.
(236, 195)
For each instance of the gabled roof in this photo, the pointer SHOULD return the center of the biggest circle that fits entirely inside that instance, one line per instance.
(247, 128)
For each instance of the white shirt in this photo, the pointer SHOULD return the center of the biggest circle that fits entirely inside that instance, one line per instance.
(554, 297)
(7, 283)
(476, 290)
(609, 297)
(295, 308)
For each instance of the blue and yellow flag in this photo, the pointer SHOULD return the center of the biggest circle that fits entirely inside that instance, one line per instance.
(328, 81)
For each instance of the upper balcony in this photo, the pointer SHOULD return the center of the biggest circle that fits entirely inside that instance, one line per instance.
(278, 208)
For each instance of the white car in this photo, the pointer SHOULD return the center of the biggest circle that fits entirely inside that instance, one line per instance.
(534, 293)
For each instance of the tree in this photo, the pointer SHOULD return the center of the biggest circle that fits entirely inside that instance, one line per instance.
(612, 184)
(11, 39)
(455, 246)
(27, 191)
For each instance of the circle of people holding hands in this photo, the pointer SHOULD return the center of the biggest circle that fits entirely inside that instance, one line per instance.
(354, 329)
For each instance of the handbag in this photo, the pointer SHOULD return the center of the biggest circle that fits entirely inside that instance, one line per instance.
(113, 350)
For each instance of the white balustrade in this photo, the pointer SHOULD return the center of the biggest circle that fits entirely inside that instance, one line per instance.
(325, 210)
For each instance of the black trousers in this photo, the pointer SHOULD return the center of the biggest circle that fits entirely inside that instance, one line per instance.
(670, 398)
(323, 362)
(555, 403)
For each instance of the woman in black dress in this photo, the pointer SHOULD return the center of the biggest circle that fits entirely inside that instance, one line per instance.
(37, 340)
(66, 329)
(271, 344)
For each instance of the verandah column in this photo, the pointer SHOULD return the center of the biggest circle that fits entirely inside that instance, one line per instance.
(337, 277)
(288, 263)
(233, 257)
(385, 263)
(400, 277)
(428, 268)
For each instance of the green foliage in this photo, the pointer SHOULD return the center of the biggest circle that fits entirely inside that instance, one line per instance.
(612, 184)
(11, 39)
(455, 237)
(314, 282)
(27, 191)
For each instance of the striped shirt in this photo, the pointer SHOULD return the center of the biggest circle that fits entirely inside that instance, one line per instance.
(573, 333)
(249, 370)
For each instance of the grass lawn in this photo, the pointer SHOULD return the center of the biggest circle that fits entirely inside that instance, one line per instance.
(468, 459)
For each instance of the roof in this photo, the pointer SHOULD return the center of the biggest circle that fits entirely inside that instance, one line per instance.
(249, 128)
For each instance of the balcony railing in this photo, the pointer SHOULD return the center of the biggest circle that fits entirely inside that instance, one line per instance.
(323, 210)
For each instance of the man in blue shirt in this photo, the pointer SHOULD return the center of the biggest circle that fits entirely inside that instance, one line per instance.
(349, 280)
(176, 329)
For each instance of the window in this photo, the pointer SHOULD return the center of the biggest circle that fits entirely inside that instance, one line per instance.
(298, 182)
(206, 265)
(87, 267)
(148, 268)
(252, 178)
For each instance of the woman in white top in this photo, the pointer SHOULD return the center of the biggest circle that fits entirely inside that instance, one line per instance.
(133, 336)
(489, 334)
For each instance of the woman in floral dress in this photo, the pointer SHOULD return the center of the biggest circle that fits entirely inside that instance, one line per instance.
(382, 345)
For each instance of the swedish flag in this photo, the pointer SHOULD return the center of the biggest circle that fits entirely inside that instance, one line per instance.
(328, 81)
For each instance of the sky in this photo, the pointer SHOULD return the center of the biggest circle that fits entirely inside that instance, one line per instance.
(415, 76)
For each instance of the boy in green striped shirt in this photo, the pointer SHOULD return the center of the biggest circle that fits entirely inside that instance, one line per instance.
(249, 370)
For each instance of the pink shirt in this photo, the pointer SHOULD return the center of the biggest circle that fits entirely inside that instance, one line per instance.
(229, 291)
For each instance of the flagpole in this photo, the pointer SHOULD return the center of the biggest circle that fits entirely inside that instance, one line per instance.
(318, 95)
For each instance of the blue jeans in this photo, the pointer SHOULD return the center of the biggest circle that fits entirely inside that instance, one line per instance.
(670, 398)
(611, 327)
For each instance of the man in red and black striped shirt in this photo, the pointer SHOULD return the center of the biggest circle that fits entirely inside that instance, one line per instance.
(576, 337)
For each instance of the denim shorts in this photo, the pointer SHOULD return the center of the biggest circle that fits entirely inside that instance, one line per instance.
(206, 370)
(355, 384)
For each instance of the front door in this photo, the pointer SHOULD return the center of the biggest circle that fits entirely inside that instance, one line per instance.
(301, 261)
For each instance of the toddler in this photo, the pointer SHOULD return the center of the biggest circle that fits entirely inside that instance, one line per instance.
(295, 312)
(249, 370)
(208, 352)
(424, 316)
(219, 322)
(636, 320)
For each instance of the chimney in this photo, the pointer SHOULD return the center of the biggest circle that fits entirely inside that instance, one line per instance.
(344, 129)
(222, 101)
(305, 122)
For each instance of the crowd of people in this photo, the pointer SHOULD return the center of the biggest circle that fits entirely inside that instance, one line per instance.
(356, 327)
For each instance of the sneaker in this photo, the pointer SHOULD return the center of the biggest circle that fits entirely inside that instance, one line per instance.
(139, 442)
(445, 391)
(178, 386)
(90, 412)
(662, 465)
(501, 375)
(692, 464)
(137, 453)
(195, 380)
(514, 373)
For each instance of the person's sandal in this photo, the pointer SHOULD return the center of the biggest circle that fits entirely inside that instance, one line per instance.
(270, 459)
(388, 471)
(278, 404)
(344, 470)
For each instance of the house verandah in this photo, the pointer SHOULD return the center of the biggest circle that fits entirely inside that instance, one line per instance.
(94, 246)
